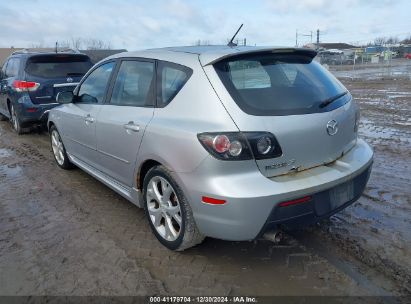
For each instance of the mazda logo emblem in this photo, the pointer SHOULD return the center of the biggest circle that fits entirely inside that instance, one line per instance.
(69, 79)
(332, 127)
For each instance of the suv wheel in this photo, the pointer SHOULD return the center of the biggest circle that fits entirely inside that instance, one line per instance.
(15, 121)
(59, 151)
(169, 214)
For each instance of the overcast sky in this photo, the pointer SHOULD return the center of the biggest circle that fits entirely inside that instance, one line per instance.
(135, 24)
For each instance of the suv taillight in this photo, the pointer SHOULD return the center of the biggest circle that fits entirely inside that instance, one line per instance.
(240, 145)
(25, 86)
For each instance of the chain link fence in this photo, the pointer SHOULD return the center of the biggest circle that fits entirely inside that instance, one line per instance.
(377, 66)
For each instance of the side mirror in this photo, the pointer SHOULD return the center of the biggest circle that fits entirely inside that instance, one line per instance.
(65, 97)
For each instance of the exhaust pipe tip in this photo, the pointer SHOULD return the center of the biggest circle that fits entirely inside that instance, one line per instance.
(275, 236)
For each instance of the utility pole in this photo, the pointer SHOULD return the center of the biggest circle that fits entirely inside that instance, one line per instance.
(304, 35)
(318, 39)
(56, 46)
(296, 37)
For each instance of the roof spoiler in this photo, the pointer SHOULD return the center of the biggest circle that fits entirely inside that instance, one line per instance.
(209, 60)
(45, 51)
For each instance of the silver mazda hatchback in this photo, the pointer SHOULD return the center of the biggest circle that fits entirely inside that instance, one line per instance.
(218, 141)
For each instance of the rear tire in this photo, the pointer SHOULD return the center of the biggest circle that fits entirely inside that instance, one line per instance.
(59, 151)
(168, 211)
(15, 121)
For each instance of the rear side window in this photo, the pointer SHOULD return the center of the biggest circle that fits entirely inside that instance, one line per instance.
(172, 77)
(134, 84)
(58, 66)
(279, 84)
(12, 67)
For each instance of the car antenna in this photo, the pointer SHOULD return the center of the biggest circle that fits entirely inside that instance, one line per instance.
(231, 43)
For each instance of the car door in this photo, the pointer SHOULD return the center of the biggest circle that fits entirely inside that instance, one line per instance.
(79, 117)
(5, 84)
(122, 121)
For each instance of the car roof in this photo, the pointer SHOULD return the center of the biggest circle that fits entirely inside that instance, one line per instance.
(208, 54)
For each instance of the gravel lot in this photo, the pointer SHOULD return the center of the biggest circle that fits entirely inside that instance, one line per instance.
(64, 233)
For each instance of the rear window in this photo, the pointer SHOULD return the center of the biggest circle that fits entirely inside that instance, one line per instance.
(58, 66)
(279, 84)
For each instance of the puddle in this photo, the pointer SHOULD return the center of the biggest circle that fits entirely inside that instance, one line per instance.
(10, 171)
(4, 153)
(368, 129)
(397, 96)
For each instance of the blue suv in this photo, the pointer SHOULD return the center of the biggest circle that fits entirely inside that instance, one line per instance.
(30, 81)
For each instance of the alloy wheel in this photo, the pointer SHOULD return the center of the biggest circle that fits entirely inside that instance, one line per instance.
(57, 146)
(164, 208)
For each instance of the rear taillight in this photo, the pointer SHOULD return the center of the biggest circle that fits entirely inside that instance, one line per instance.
(226, 145)
(240, 145)
(25, 86)
(263, 145)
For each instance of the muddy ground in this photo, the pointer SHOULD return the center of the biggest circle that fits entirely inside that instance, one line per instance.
(64, 233)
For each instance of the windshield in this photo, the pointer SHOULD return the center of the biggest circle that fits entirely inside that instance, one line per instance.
(280, 84)
(58, 66)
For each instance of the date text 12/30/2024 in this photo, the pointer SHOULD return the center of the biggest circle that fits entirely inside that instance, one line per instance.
(203, 299)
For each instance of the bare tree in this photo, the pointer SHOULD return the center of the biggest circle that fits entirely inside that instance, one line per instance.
(63, 44)
(97, 44)
(392, 40)
(406, 40)
(380, 40)
(76, 43)
(37, 45)
(201, 42)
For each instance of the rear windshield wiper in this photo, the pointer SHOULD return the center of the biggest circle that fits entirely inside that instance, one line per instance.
(330, 100)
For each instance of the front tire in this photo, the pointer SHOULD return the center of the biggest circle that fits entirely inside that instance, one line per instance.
(168, 212)
(59, 151)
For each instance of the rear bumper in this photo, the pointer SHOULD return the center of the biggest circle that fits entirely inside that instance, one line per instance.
(252, 200)
(318, 207)
(30, 113)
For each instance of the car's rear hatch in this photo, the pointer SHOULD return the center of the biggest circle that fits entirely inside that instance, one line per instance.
(287, 93)
(55, 73)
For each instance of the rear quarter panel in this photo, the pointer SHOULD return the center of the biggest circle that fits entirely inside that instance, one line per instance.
(171, 136)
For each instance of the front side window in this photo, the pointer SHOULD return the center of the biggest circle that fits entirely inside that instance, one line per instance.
(93, 89)
(279, 84)
(134, 84)
(172, 79)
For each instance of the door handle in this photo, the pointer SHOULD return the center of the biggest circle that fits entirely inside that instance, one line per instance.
(89, 119)
(131, 126)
